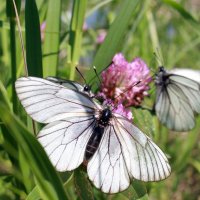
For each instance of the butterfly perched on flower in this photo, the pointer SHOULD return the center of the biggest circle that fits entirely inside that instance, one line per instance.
(177, 97)
(80, 129)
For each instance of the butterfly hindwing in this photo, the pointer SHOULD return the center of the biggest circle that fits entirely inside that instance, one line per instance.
(65, 141)
(123, 154)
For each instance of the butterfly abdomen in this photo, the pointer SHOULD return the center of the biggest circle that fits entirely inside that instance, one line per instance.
(94, 142)
(95, 139)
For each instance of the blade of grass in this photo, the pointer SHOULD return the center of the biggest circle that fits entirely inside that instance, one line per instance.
(98, 6)
(186, 148)
(184, 13)
(11, 15)
(49, 183)
(114, 36)
(33, 39)
(52, 37)
(154, 38)
(34, 194)
(75, 34)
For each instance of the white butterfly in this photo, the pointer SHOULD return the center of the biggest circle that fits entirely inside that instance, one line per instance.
(177, 97)
(79, 129)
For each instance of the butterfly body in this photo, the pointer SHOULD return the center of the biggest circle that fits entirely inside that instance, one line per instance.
(98, 131)
(94, 142)
(162, 77)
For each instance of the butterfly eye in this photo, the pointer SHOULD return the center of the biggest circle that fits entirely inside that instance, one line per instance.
(87, 88)
(161, 69)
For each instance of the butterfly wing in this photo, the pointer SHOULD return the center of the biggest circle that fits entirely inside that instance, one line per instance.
(125, 153)
(66, 83)
(187, 73)
(65, 141)
(47, 102)
(177, 101)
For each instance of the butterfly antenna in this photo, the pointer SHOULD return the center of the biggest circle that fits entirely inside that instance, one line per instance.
(81, 75)
(100, 72)
(97, 75)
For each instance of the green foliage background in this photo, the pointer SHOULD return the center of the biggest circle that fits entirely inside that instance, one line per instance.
(136, 28)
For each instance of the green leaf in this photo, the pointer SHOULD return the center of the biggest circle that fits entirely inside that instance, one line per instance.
(82, 185)
(196, 164)
(137, 191)
(49, 184)
(33, 39)
(144, 120)
(34, 194)
(140, 189)
(4, 95)
(10, 11)
(115, 35)
(52, 37)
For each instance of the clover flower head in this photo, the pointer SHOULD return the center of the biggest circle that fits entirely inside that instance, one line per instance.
(125, 82)
(126, 112)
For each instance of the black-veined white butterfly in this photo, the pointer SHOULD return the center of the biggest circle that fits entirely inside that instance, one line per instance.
(177, 97)
(79, 129)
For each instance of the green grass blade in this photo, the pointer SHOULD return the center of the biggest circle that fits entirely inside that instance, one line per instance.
(184, 13)
(33, 39)
(48, 181)
(10, 11)
(154, 38)
(186, 148)
(11, 16)
(115, 35)
(52, 37)
(75, 35)
(34, 194)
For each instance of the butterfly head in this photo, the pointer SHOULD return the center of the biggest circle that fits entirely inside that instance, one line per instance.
(161, 69)
(162, 77)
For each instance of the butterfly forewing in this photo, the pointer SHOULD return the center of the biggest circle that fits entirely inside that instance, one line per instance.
(72, 85)
(46, 102)
(187, 73)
